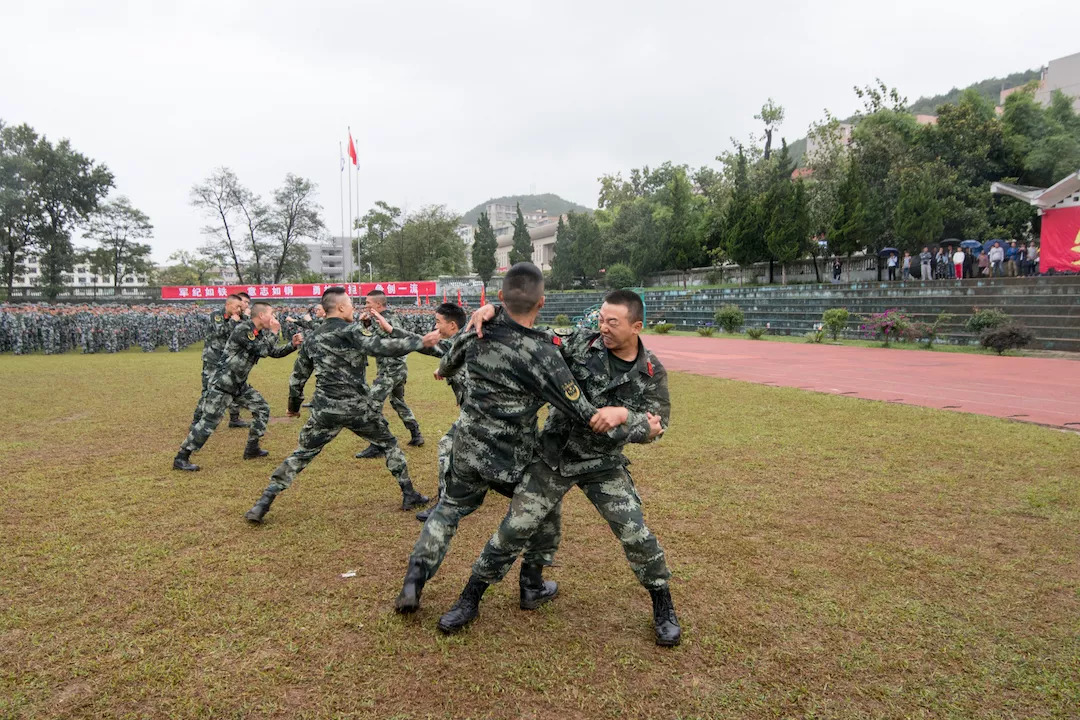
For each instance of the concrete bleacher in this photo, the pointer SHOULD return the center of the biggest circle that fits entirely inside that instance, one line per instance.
(1048, 306)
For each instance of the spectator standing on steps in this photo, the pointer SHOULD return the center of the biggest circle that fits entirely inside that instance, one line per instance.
(958, 263)
(926, 261)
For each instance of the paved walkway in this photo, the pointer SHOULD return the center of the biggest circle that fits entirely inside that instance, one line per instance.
(1037, 390)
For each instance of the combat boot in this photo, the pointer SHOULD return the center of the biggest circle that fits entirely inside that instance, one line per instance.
(466, 608)
(236, 422)
(253, 451)
(535, 590)
(411, 499)
(408, 600)
(370, 452)
(414, 429)
(423, 515)
(666, 625)
(182, 461)
(261, 507)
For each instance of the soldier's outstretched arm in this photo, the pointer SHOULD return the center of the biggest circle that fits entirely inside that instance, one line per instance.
(388, 346)
(454, 359)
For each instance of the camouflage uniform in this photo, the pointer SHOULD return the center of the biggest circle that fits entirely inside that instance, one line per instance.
(391, 374)
(228, 385)
(572, 455)
(336, 351)
(221, 328)
(513, 372)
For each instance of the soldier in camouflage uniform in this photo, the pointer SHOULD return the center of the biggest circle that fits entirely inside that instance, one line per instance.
(614, 368)
(513, 371)
(222, 325)
(251, 340)
(391, 375)
(337, 353)
(449, 321)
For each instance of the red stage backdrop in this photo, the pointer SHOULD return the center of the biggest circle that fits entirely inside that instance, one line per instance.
(1059, 242)
(296, 291)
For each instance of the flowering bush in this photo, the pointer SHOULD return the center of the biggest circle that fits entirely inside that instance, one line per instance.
(886, 326)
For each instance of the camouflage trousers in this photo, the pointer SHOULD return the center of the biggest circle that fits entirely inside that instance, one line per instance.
(323, 426)
(234, 408)
(464, 493)
(446, 446)
(611, 492)
(392, 387)
(212, 407)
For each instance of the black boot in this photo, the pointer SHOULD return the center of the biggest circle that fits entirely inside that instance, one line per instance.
(253, 450)
(236, 422)
(410, 499)
(466, 608)
(414, 429)
(370, 452)
(408, 601)
(535, 590)
(668, 632)
(261, 506)
(423, 515)
(182, 461)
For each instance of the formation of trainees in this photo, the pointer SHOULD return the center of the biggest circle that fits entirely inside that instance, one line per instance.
(604, 388)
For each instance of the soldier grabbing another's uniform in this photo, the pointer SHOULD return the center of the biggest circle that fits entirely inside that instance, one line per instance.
(337, 353)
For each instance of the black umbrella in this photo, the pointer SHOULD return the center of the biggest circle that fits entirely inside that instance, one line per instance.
(971, 244)
(886, 251)
(949, 241)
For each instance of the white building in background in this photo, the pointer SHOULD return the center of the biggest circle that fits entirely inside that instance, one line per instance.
(82, 276)
(467, 233)
(1061, 74)
(543, 242)
(332, 258)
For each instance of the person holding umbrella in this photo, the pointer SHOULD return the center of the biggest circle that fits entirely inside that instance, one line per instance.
(892, 263)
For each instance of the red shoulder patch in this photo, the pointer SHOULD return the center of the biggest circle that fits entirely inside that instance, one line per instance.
(648, 366)
(557, 340)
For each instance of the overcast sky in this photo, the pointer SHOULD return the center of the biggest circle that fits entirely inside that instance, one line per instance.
(457, 102)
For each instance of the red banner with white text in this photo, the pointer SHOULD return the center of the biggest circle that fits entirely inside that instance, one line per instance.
(296, 291)
(1059, 241)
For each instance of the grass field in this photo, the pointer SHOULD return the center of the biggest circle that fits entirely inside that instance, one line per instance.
(832, 558)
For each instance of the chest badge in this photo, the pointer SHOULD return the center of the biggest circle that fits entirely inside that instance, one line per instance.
(251, 336)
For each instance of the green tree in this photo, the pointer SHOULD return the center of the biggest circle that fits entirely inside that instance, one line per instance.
(425, 245)
(377, 227)
(117, 227)
(788, 229)
(295, 216)
(216, 198)
(70, 187)
(682, 224)
(20, 219)
(484, 247)
(849, 230)
(918, 216)
(197, 266)
(745, 225)
(771, 115)
(521, 250)
(564, 263)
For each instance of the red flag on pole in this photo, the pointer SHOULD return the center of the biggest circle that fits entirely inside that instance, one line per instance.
(352, 148)
(444, 294)
(418, 300)
(483, 297)
(427, 299)
(459, 296)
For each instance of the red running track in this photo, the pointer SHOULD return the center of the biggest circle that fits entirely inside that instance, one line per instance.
(1037, 390)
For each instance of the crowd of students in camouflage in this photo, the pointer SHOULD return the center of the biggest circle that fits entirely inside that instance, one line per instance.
(111, 328)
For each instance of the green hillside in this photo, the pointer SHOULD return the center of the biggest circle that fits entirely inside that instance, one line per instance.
(554, 205)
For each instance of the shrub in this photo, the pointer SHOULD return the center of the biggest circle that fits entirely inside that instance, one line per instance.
(1006, 337)
(706, 331)
(816, 336)
(562, 320)
(663, 328)
(713, 277)
(620, 276)
(835, 320)
(731, 318)
(927, 331)
(982, 320)
(755, 333)
(886, 326)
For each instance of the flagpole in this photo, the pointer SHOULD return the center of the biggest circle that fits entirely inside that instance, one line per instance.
(350, 202)
(341, 186)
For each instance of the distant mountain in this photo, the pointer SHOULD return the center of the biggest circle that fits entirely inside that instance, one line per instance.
(554, 205)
